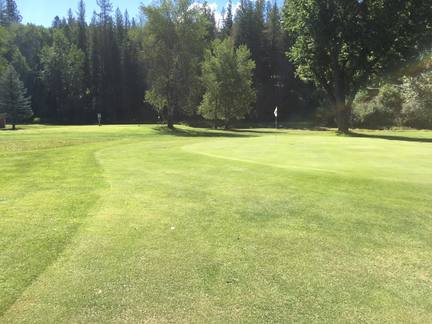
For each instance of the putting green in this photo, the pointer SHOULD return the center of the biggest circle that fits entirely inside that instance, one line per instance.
(140, 224)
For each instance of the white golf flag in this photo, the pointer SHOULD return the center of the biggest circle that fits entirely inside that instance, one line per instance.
(276, 112)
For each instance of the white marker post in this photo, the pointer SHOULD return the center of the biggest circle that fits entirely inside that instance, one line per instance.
(276, 117)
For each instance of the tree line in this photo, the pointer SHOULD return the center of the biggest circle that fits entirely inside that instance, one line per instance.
(178, 63)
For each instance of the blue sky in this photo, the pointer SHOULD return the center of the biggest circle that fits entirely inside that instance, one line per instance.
(42, 12)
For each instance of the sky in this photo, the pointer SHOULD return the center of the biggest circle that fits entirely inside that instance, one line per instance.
(42, 12)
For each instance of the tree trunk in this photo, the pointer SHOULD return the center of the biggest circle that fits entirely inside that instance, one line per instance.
(170, 121)
(215, 115)
(343, 114)
(13, 127)
(343, 111)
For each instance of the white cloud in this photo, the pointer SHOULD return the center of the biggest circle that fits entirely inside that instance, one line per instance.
(214, 7)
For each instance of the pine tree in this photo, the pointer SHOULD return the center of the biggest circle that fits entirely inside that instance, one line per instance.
(228, 20)
(71, 28)
(3, 13)
(104, 55)
(9, 13)
(105, 11)
(127, 22)
(13, 100)
(62, 73)
(82, 36)
(13, 14)
(56, 22)
(83, 45)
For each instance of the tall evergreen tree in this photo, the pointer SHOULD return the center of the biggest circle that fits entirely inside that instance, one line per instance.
(3, 13)
(105, 63)
(105, 10)
(227, 20)
(13, 100)
(13, 15)
(62, 73)
(82, 27)
(249, 29)
(275, 70)
(209, 14)
(127, 21)
(9, 13)
(83, 45)
(57, 23)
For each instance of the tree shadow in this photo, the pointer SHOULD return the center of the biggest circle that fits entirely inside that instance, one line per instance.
(180, 132)
(10, 129)
(392, 137)
(253, 131)
(276, 131)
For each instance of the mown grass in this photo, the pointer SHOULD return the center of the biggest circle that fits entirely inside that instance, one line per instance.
(142, 224)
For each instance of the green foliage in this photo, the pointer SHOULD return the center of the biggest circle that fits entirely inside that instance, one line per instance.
(227, 76)
(174, 42)
(10, 52)
(9, 13)
(406, 102)
(341, 45)
(13, 100)
(380, 111)
(122, 60)
(227, 23)
(417, 106)
(4, 48)
(62, 73)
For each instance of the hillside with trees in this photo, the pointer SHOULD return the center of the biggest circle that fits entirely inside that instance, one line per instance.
(335, 63)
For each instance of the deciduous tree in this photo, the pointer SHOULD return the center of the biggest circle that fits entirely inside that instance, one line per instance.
(227, 76)
(342, 44)
(175, 38)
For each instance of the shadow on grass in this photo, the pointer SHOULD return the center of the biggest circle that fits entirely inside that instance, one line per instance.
(253, 131)
(200, 133)
(275, 131)
(10, 129)
(392, 137)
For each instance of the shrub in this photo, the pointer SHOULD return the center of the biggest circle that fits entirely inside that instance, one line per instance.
(378, 110)
(417, 106)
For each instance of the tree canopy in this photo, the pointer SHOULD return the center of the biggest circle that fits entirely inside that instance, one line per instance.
(13, 100)
(227, 76)
(343, 44)
(174, 43)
